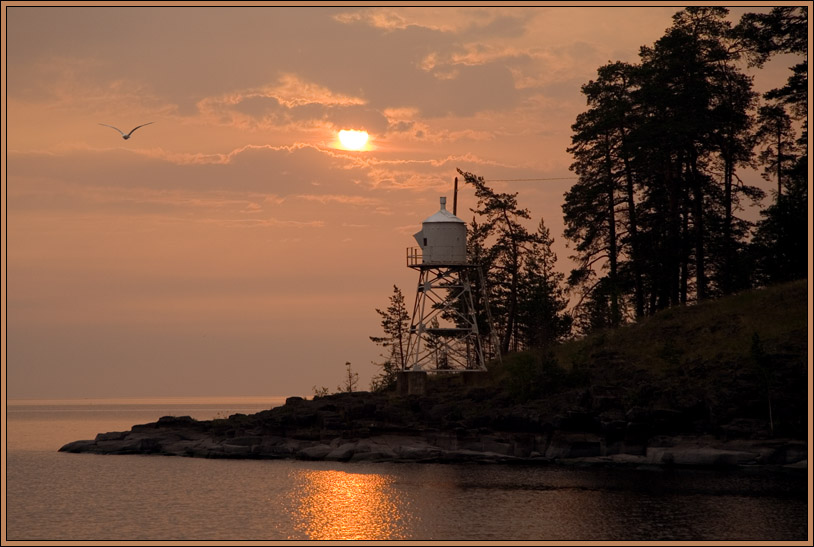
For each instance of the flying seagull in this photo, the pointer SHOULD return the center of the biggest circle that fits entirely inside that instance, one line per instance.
(127, 135)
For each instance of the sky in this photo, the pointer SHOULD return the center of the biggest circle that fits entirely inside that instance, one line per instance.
(234, 247)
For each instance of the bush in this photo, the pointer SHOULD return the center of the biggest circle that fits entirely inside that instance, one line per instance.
(530, 376)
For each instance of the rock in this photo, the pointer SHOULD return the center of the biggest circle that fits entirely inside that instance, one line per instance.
(699, 456)
(245, 441)
(465, 456)
(565, 444)
(627, 459)
(341, 453)
(575, 420)
(177, 421)
(418, 452)
(237, 451)
(112, 436)
(79, 446)
(382, 453)
(356, 427)
(317, 452)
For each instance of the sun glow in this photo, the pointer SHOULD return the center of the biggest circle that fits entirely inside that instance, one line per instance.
(352, 139)
(338, 505)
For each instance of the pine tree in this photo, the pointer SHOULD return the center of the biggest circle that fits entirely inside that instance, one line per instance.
(779, 249)
(654, 217)
(503, 218)
(395, 326)
(542, 320)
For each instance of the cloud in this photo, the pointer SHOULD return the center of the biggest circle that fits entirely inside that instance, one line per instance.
(449, 19)
(71, 84)
(293, 91)
(333, 198)
(291, 103)
(251, 181)
(318, 87)
(266, 223)
(278, 171)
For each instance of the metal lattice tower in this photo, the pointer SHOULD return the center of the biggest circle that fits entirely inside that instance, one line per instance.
(444, 333)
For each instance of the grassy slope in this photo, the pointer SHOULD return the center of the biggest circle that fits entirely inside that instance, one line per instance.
(716, 331)
(698, 362)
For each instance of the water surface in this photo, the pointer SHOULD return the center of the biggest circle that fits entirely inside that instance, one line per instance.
(87, 497)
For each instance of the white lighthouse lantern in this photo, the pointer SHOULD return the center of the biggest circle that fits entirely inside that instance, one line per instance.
(442, 238)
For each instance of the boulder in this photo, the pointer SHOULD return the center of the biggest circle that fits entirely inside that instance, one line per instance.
(79, 446)
(699, 456)
(316, 452)
(112, 436)
(342, 453)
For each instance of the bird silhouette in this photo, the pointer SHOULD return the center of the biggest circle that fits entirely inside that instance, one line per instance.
(126, 136)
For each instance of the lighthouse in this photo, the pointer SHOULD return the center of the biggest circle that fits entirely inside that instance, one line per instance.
(444, 336)
(442, 239)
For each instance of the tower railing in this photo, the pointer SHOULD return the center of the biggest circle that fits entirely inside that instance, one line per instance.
(414, 257)
(415, 260)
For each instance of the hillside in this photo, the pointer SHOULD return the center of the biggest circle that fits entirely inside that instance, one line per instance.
(724, 382)
(713, 367)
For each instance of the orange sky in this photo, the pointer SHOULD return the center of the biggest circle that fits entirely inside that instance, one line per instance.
(231, 247)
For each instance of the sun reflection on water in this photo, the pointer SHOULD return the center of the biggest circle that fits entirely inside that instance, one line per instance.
(336, 505)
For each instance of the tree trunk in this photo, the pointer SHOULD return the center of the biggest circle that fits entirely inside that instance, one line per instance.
(512, 311)
(728, 267)
(673, 243)
(779, 164)
(685, 248)
(612, 258)
(633, 229)
(698, 223)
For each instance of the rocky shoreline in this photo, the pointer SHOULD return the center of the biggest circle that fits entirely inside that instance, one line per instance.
(356, 427)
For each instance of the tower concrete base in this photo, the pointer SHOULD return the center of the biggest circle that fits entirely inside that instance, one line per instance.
(412, 383)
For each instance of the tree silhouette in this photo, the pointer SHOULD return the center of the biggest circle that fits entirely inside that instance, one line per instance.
(395, 326)
(654, 218)
(502, 222)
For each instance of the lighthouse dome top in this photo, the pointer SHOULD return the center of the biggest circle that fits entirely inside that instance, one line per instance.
(443, 215)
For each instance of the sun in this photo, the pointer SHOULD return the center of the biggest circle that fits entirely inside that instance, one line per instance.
(352, 139)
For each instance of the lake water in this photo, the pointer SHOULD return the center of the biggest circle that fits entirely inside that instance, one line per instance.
(54, 496)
